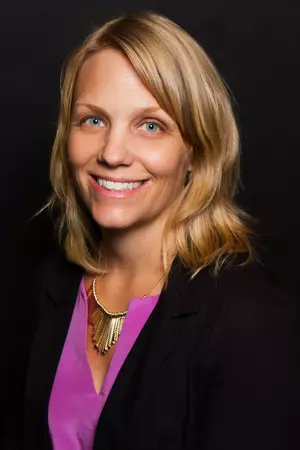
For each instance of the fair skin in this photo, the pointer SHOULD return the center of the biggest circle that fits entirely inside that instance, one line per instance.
(119, 133)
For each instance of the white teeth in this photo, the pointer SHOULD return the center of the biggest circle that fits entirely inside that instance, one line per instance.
(111, 185)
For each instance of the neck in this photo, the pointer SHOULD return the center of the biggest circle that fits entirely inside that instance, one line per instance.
(130, 251)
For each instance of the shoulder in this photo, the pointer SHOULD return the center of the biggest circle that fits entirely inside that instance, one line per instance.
(55, 268)
(53, 278)
(248, 304)
(241, 287)
(54, 281)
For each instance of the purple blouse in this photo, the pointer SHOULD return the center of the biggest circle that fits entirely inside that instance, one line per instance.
(75, 406)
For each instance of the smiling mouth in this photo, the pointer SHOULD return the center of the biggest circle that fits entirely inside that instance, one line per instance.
(118, 185)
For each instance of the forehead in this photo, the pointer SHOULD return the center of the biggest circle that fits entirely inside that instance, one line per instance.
(108, 74)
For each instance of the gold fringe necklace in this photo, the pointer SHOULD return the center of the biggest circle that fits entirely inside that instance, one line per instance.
(107, 326)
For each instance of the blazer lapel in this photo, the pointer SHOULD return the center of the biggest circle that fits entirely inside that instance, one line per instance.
(57, 295)
(166, 327)
(162, 330)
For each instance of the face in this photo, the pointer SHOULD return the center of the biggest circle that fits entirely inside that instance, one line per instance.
(127, 154)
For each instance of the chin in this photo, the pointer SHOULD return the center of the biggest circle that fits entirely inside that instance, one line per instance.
(114, 223)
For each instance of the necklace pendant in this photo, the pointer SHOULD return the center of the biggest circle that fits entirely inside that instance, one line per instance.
(106, 329)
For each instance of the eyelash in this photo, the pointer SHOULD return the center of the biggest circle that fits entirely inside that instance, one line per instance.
(146, 120)
(84, 119)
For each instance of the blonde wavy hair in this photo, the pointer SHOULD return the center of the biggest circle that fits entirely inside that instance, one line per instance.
(208, 225)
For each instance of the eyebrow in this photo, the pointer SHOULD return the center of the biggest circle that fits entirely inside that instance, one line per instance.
(101, 111)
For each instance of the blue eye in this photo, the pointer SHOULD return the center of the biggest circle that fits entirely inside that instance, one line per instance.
(151, 127)
(93, 121)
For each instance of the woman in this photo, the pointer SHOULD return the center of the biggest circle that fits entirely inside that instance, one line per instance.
(156, 329)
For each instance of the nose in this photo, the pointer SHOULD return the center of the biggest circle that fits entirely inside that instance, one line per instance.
(114, 150)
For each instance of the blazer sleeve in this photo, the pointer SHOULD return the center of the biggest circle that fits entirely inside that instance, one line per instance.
(251, 399)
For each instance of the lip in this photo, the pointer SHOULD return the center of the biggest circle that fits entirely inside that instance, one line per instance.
(101, 190)
(119, 180)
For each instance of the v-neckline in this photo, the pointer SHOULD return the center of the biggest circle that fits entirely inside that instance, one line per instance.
(107, 384)
(86, 360)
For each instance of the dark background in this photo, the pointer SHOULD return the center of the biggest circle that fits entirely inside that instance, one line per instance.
(254, 44)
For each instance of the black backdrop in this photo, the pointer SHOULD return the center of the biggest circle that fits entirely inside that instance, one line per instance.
(255, 45)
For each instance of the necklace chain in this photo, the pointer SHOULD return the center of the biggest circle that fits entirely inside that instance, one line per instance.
(155, 284)
(119, 314)
(93, 289)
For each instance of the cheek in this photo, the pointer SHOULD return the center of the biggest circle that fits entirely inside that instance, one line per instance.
(168, 163)
(80, 149)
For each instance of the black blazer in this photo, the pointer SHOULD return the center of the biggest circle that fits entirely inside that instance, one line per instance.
(216, 366)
